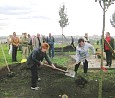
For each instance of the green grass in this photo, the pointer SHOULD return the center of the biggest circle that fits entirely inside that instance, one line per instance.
(60, 60)
(8, 56)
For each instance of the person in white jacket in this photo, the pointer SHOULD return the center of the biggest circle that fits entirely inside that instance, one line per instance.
(82, 54)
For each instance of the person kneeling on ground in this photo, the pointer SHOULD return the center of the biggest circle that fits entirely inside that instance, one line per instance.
(82, 54)
(35, 60)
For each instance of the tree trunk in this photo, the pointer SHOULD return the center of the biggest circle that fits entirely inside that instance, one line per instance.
(102, 50)
(62, 39)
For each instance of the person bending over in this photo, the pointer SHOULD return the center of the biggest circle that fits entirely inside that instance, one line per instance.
(82, 54)
(35, 60)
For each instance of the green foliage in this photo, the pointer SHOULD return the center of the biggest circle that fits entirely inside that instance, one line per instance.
(112, 20)
(63, 17)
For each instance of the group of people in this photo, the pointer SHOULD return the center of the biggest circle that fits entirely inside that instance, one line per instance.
(35, 58)
(28, 43)
(82, 51)
(34, 50)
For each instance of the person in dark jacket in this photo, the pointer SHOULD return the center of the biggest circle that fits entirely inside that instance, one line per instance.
(107, 50)
(35, 60)
(50, 41)
(72, 42)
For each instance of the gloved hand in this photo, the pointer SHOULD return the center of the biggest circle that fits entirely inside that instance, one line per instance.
(53, 66)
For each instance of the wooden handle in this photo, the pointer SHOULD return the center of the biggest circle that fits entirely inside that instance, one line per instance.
(5, 58)
(55, 68)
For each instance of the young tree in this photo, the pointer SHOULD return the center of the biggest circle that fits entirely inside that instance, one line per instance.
(104, 5)
(63, 20)
(112, 20)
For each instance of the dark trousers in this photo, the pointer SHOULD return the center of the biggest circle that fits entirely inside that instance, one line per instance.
(72, 44)
(108, 57)
(51, 50)
(34, 77)
(85, 66)
(14, 53)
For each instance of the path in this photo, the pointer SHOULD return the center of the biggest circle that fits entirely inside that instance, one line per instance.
(95, 62)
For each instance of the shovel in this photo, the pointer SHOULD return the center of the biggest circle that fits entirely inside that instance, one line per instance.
(69, 73)
(10, 74)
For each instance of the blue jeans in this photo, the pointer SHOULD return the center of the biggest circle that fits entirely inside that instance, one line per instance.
(51, 50)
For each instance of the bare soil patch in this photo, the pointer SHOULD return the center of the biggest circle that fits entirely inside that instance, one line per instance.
(53, 84)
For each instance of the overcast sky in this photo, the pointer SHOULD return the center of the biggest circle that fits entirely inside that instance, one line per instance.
(42, 16)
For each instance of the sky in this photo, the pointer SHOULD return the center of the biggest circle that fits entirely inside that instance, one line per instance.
(42, 16)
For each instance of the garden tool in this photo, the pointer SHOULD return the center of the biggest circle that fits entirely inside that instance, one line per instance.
(67, 72)
(10, 74)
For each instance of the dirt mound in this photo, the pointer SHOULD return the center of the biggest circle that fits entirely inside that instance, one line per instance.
(53, 84)
(65, 49)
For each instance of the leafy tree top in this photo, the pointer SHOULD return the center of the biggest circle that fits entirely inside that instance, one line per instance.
(107, 3)
(112, 20)
(63, 17)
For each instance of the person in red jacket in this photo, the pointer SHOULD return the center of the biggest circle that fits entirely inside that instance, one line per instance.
(107, 50)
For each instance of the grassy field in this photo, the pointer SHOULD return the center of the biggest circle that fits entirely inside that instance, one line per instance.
(8, 56)
(57, 59)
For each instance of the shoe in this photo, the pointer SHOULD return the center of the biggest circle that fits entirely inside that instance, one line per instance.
(39, 79)
(35, 88)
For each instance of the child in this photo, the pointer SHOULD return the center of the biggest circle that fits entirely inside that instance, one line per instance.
(34, 60)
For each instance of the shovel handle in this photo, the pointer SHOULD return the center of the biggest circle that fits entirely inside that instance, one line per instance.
(5, 58)
(56, 68)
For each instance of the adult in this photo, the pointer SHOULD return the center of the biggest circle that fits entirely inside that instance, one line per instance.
(35, 60)
(24, 44)
(108, 52)
(50, 41)
(15, 43)
(37, 41)
(72, 42)
(9, 44)
(82, 54)
(30, 46)
(43, 39)
(86, 39)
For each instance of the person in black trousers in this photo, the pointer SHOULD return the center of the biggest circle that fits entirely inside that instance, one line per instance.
(35, 60)
(82, 54)
(15, 43)
(50, 41)
(108, 52)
